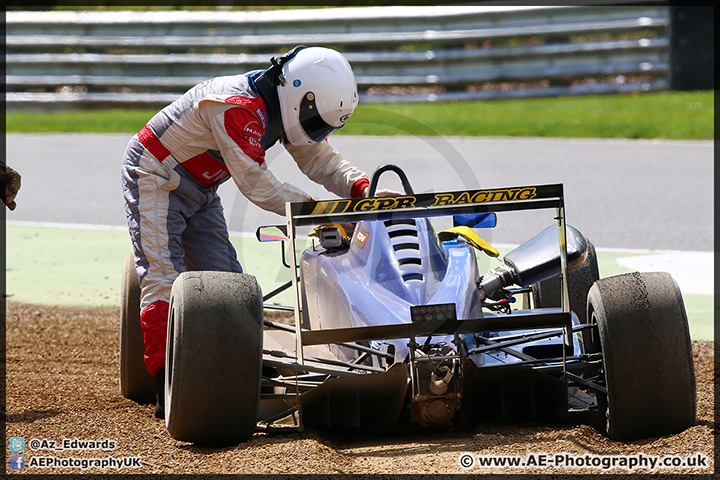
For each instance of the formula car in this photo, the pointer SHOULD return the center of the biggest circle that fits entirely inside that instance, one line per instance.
(394, 324)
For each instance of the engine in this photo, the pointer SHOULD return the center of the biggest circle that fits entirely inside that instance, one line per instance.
(436, 386)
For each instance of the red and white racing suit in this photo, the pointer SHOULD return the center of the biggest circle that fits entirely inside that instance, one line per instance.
(171, 171)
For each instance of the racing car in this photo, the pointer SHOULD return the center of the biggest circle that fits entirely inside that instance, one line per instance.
(394, 324)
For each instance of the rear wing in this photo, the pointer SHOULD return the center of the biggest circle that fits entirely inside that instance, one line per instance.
(425, 205)
(418, 206)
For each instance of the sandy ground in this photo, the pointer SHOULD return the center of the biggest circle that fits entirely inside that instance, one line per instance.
(62, 383)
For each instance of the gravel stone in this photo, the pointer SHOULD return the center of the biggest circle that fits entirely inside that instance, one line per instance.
(62, 383)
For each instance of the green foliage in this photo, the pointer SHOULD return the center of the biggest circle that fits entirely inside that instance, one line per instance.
(671, 115)
(78, 121)
(666, 115)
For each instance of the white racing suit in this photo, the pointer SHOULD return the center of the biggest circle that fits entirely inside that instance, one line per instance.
(171, 171)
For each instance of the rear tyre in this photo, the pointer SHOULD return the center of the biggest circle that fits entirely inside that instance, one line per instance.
(547, 293)
(214, 358)
(647, 356)
(135, 381)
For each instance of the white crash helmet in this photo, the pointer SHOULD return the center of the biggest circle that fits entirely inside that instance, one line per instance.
(317, 94)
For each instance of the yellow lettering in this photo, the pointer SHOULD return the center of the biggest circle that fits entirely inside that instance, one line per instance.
(385, 203)
(364, 205)
(443, 199)
(526, 194)
(496, 195)
(463, 198)
(506, 194)
(405, 202)
(479, 197)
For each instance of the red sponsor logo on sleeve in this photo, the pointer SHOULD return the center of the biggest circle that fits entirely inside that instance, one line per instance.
(242, 126)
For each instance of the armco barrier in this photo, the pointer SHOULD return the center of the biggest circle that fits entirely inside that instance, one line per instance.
(87, 59)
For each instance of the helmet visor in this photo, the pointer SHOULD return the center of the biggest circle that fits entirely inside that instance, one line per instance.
(310, 120)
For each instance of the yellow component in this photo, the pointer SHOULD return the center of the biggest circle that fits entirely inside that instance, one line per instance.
(315, 231)
(473, 239)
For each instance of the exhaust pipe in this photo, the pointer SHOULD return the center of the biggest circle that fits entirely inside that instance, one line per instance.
(535, 260)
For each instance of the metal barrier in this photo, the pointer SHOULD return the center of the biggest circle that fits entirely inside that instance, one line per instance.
(88, 59)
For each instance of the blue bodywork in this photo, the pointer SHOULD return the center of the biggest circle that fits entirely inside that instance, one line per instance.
(389, 267)
(416, 327)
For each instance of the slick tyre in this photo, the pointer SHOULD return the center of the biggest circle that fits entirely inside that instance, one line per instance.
(547, 293)
(647, 367)
(135, 381)
(214, 358)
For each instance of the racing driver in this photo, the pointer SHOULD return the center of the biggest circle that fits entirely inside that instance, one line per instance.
(217, 130)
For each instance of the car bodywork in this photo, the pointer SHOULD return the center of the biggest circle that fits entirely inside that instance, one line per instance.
(395, 324)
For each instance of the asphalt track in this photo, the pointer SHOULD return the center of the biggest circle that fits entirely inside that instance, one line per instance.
(631, 194)
(646, 205)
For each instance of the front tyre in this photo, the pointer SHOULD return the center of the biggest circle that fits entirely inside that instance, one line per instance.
(647, 356)
(214, 358)
(135, 381)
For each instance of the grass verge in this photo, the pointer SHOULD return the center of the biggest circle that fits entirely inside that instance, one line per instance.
(64, 266)
(664, 115)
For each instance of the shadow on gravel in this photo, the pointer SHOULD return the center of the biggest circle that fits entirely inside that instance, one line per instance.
(403, 440)
(29, 416)
(258, 440)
